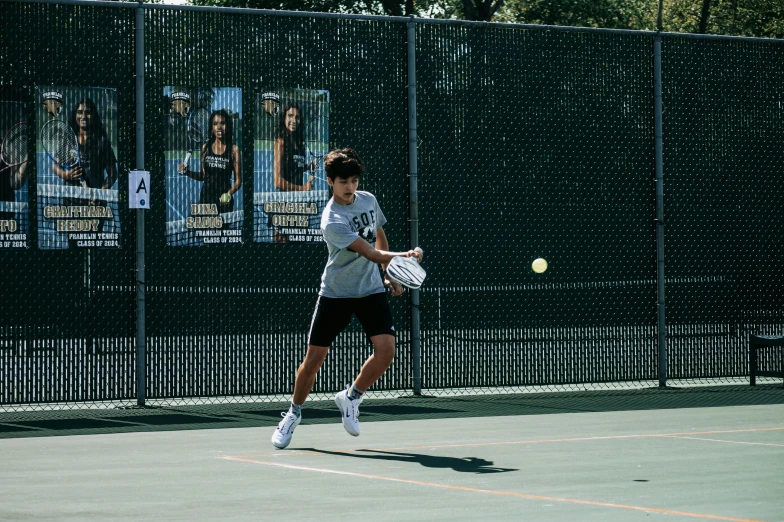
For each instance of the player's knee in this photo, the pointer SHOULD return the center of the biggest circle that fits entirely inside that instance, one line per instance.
(313, 361)
(308, 368)
(385, 352)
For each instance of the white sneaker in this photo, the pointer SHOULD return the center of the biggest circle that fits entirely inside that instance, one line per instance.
(284, 431)
(349, 410)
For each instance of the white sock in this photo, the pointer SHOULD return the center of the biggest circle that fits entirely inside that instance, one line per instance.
(355, 393)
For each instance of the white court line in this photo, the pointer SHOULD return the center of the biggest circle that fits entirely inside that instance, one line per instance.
(728, 441)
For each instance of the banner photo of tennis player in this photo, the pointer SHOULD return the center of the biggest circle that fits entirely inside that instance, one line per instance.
(76, 160)
(292, 137)
(15, 155)
(203, 166)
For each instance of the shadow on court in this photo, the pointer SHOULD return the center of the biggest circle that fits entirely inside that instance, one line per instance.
(461, 465)
(45, 423)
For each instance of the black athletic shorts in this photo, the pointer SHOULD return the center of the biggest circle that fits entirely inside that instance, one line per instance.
(332, 315)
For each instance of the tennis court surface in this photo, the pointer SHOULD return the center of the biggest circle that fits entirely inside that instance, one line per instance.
(678, 454)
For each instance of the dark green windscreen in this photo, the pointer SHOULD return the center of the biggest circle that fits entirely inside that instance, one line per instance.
(68, 316)
(536, 143)
(724, 180)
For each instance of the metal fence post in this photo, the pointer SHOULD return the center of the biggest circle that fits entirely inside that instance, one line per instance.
(659, 165)
(413, 212)
(141, 367)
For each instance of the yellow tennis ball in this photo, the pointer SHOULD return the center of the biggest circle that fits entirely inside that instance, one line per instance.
(539, 265)
(225, 198)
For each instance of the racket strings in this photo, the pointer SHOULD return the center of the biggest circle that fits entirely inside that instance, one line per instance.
(199, 127)
(59, 141)
(16, 145)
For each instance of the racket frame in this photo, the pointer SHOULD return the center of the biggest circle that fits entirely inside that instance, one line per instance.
(315, 157)
(191, 141)
(3, 155)
(69, 130)
(402, 264)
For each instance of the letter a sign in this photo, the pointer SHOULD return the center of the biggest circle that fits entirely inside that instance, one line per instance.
(139, 189)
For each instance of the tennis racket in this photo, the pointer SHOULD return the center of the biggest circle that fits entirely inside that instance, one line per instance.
(15, 148)
(60, 144)
(198, 130)
(314, 162)
(407, 271)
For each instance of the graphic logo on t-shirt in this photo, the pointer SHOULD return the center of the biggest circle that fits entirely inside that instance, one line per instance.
(368, 234)
(365, 225)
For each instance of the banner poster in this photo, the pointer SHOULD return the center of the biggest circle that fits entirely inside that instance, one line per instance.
(76, 166)
(15, 168)
(292, 137)
(203, 166)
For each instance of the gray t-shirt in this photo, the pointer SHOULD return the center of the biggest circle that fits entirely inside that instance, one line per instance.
(347, 273)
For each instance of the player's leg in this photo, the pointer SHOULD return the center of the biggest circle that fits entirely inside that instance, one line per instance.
(306, 373)
(329, 318)
(306, 376)
(377, 363)
(376, 318)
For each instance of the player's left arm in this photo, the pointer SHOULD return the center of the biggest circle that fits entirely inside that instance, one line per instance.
(382, 256)
(111, 166)
(377, 255)
(383, 244)
(237, 171)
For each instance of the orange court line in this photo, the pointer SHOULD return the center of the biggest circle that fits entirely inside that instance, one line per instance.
(540, 441)
(492, 492)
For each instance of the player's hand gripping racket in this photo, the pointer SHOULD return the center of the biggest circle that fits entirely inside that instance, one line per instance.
(198, 131)
(15, 149)
(60, 144)
(407, 271)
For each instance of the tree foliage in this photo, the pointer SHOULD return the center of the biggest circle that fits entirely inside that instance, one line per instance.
(613, 14)
(761, 18)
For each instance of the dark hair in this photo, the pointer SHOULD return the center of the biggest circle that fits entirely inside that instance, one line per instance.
(343, 163)
(95, 131)
(228, 136)
(298, 136)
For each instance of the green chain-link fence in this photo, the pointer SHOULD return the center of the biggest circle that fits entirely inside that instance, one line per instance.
(723, 161)
(532, 142)
(536, 143)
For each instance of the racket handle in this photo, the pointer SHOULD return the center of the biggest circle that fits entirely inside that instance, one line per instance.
(187, 159)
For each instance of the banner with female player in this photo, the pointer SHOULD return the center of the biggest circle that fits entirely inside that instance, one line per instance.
(76, 160)
(292, 137)
(203, 166)
(15, 155)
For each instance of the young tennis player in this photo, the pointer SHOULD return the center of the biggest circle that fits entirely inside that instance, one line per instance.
(351, 284)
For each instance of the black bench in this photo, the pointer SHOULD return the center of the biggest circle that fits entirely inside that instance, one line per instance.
(757, 342)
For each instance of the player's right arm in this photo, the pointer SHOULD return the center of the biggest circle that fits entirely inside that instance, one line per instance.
(197, 175)
(18, 176)
(380, 257)
(71, 174)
